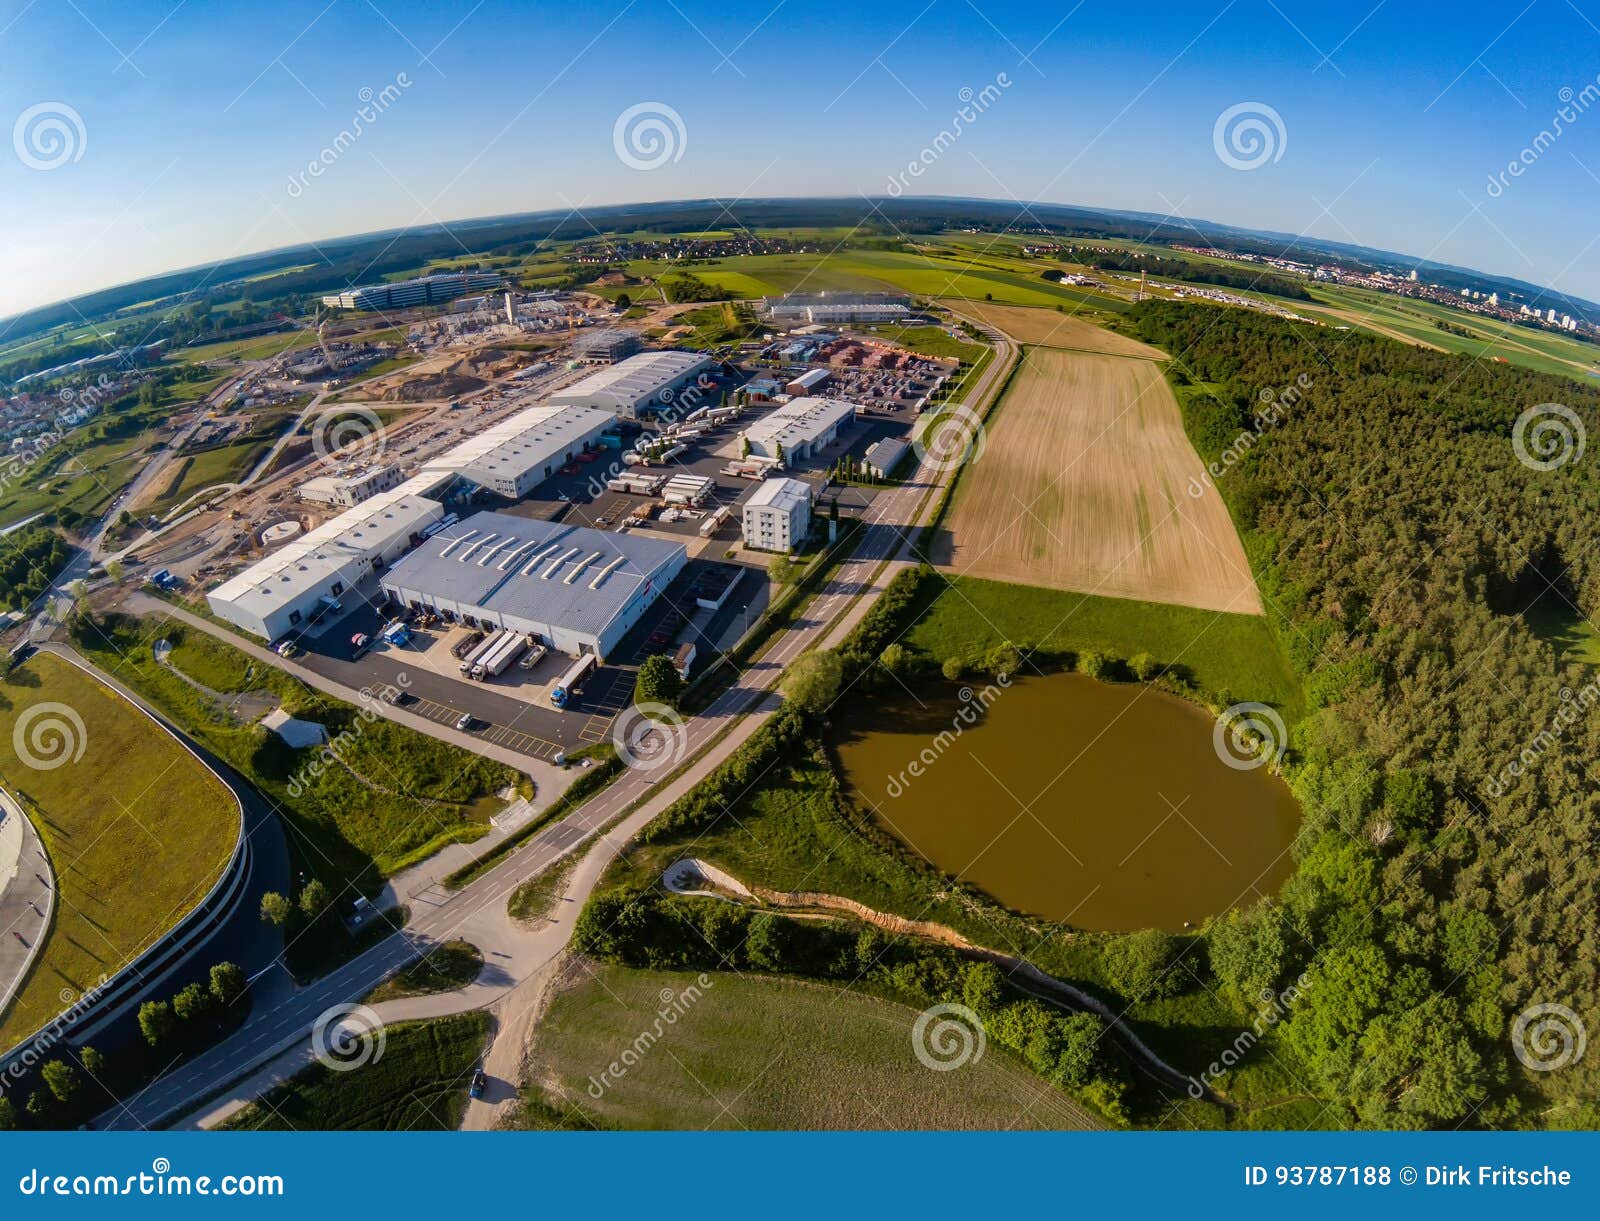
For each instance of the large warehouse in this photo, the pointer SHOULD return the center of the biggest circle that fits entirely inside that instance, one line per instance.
(424, 290)
(636, 386)
(520, 452)
(578, 590)
(801, 428)
(285, 591)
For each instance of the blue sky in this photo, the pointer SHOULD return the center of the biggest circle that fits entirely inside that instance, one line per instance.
(196, 117)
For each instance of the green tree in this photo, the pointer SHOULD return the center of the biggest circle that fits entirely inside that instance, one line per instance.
(895, 659)
(8, 1115)
(779, 570)
(275, 908)
(61, 1079)
(983, 988)
(39, 1104)
(1092, 663)
(769, 944)
(1248, 951)
(1143, 965)
(1003, 660)
(812, 680)
(1144, 667)
(315, 899)
(953, 668)
(192, 1003)
(227, 983)
(624, 301)
(94, 1064)
(657, 682)
(156, 1022)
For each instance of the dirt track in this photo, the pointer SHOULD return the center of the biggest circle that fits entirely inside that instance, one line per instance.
(1086, 484)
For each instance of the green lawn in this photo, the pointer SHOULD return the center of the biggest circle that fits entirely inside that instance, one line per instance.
(397, 797)
(1235, 654)
(763, 1053)
(136, 828)
(256, 347)
(418, 1084)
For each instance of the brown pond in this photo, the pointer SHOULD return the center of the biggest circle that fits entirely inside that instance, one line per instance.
(1104, 806)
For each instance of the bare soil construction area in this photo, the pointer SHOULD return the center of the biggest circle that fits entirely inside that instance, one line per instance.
(1048, 329)
(1085, 485)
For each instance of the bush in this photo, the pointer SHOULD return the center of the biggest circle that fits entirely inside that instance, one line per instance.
(812, 681)
(1143, 965)
(658, 682)
(953, 668)
(1093, 664)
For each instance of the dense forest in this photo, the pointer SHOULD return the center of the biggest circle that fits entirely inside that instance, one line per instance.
(29, 561)
(1447, 870)
(1202, 273)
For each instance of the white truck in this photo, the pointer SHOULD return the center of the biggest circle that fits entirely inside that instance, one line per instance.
(495, 664)
(484, 648)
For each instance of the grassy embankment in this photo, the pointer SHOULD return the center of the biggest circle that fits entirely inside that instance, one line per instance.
(418, 1084)
(136, 828)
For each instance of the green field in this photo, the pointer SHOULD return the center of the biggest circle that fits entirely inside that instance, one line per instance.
(137, 830)
(256, 347)
(764, 1053)
(445, 968)
(395, 797)
(1235, 654)
(418, 1084)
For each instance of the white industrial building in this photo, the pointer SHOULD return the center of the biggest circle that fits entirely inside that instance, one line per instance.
(514, 456)
(348, 488)
(799, 429)
(424, 290)
(884, 455)
(636, 386)
(836, 307)
(778, 516)
(577, 590)
(292, 586)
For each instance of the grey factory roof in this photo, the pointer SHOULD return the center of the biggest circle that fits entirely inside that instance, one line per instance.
(578, 578)
(630, 381)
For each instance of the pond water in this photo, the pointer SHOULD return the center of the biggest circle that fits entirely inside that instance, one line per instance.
(1104, 806)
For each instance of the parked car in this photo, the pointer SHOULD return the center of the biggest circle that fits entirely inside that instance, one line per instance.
(480, 1082)
(287, 648)
(464, 721)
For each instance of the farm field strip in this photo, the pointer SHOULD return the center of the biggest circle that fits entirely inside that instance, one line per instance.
(1085, 484)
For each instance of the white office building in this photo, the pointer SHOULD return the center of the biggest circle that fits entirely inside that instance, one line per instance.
(348, 488)
(514, 456)
(778, 516)
(636, 386)
(424, 290)
(800, 429)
